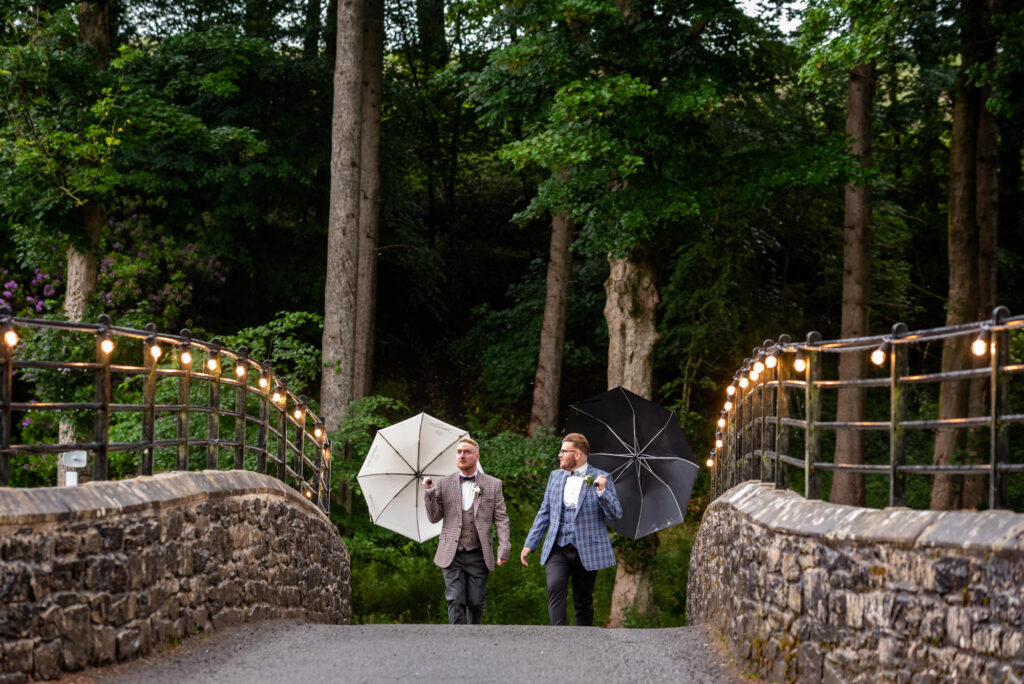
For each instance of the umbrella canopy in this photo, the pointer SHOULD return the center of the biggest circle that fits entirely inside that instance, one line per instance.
(644, 450)
(402, 454)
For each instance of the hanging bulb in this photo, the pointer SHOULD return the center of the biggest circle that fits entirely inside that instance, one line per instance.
(878, 355)
(211, 364)
(710, 463)
(800, 363)
(721, 422)
(718, 444)
(730, 390)
(758, 367)
(771, 361)
(754, 375)
(186, 357)
(11, 338)
(980, 346)
(728, 406)
(744, 382)
(107, 345)
(155, 351)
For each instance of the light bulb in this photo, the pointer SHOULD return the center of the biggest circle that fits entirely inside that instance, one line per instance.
(240, 370)
(754, 375)
(264, 382)
(978, 347)
(318, 433)
(877, 357)
(276, 397)
(771, 361)
(710, 463)
(758, 367)
(744, 382)
(186, 358)
(211, 364)
(309, 494)
(11, 338)
(730, 390)
(107, 345)
(718, 444)
(298, 414)
(800, 365)
(327, 454)
(728, 406)
(155, 351)
(721, 422)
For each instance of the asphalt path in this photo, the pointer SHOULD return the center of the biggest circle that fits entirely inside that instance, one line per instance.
(275, 652)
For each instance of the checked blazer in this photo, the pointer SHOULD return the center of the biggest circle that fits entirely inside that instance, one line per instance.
(444, 501)
(592, 515)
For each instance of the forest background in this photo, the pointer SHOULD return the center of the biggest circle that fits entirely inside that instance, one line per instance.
(556, 181)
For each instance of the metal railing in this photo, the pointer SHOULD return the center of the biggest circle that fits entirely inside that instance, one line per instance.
(269, 424)
(780, 390)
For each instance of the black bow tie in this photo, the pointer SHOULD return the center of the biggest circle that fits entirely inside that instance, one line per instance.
(467, 478)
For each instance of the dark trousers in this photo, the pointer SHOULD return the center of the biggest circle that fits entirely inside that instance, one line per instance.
(465, 583)
(564, 563)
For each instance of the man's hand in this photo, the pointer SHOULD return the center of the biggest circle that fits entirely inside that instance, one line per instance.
(428, 484)
(524, 554)
(600, 482)
(502, 561)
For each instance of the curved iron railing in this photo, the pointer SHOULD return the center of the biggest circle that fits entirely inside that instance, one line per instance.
(780, 388)
(270, 424)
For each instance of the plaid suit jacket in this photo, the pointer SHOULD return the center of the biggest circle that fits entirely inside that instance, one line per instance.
(592, 515)
(444, 501)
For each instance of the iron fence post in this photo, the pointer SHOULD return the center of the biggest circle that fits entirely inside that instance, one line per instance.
(999, 435)
(241, 407)
(101, 419)
(898, 368)
(6, 414)
(282, 441)
(812, 410)
(148, 401)
(781, 413)
(213, 424)
(300, 409)
(261, 438)
(184, 398)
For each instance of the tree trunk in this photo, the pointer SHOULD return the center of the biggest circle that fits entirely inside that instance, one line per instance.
(548, 381)
(848, 488)
(369, 206)
(94, 30)
(963, 252)
(632, 299)
(311, 41)
(81, 284)
(331, 33)
(337, 388)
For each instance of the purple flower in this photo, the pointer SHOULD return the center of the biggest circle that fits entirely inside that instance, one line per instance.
(48, 290)
(11, 285)
(7, 294)
(26, 422)
(39, 306)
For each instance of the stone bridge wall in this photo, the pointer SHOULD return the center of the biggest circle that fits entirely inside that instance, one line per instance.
(111, 570)
(809, 591)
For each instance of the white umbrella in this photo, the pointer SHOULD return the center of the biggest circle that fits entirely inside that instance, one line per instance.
(391, 477)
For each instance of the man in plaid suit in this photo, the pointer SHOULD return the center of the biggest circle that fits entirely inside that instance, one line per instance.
(578, 503)
(469, 502)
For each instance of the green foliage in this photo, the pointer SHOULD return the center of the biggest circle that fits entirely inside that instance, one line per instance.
(291, 342)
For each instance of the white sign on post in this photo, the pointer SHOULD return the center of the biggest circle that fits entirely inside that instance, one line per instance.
(72, 460)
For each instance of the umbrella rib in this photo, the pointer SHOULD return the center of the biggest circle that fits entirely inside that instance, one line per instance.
(614, 434)
(674, 498)
(441, 452)
(632, 410)
(395, 449)
(388, 504)
(640, 515)
(654, 458)
(658, 434)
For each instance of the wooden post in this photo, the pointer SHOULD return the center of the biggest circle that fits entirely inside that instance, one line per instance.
(184, 399)
(101, 419)
(261, 438)
(999, 434)
(812, 410)
(213, 425)
(149, 401)
(241, 401)
(781, 412)
(6, 415)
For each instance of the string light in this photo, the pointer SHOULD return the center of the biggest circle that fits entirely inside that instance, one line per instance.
(728, 406)
(11, 338)
(211, 364)
(186, 357)
(718, 444)
(771, 361)
(758, 367)
(730, 390)
(744, 382)
(155, 351)
(980, 346)
(327, 453)
(298, 414)
(878, 355)
(264, 382)
(107, 345)
(800, 362)
(317, 432)
(710, 462)
(721, 422)
(276, 397)
(754, 375)
(240, 370)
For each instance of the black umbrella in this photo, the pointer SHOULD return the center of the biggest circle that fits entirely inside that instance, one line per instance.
(643, 448)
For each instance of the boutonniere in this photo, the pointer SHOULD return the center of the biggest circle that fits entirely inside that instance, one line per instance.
(588, 480)
(478, 490)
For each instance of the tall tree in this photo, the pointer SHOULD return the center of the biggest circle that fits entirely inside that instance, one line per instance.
(548, 380)
(963, 246)
(369, 200)
(847, 487)
(342, 283)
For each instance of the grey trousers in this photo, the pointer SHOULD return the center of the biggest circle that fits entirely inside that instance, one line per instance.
(465, 584)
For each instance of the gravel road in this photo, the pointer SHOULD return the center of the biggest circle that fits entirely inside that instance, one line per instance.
(275, 652)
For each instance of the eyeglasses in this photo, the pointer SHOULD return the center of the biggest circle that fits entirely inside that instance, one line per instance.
(568, 451)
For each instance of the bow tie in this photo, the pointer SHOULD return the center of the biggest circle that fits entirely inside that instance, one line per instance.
(575, 474)
(467, 478)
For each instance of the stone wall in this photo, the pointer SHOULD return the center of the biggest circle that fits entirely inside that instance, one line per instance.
(109, 571)
(814, 592)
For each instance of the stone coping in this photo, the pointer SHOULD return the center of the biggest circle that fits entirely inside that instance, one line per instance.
(788, 512)
(111, 497)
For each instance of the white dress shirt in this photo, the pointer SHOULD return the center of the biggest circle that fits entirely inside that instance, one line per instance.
(573, 486)
(469, 490)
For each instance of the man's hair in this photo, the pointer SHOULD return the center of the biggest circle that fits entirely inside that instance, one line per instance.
(579, 442)
(469, 440)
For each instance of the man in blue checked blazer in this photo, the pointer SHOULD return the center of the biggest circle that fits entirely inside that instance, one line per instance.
(578, 503)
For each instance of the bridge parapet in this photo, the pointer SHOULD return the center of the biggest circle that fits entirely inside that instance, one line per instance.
(109, 571)
(810, 591)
